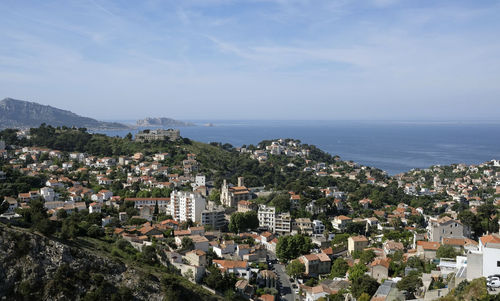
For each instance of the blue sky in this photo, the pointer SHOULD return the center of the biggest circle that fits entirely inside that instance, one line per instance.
(256, 59)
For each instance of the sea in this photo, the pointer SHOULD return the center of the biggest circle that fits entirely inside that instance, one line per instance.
(393, 146)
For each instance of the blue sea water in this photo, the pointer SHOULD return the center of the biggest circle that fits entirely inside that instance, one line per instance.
(391, 146)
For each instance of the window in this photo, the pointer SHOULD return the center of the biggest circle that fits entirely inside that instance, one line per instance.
(498, 264)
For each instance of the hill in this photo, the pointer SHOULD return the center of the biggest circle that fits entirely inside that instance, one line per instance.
(37, 267)
(22, 114)
(162, 121)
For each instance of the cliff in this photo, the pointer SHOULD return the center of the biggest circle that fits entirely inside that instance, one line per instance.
(22, 114)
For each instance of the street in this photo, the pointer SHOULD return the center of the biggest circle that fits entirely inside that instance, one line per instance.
(285, 287)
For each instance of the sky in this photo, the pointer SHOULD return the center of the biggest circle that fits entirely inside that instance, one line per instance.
(255, 59)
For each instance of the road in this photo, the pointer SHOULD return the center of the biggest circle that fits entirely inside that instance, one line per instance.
(285, 287)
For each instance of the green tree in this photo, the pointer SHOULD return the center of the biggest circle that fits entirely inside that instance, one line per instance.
(410, 283)
(187, 243)
(95, 231)
(291, 247)
(339, 268)
(295, 268)
(357, 271)
(446, 251)
(364, 285)
(240, 221)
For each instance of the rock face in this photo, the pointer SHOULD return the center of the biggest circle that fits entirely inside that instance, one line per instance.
(33, 267)
(162, 121)
(21, 114)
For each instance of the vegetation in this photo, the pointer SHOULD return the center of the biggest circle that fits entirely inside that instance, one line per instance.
(295, 268)
(241, 222)
(290, 247)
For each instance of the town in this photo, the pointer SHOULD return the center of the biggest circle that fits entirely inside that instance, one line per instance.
(279, 220)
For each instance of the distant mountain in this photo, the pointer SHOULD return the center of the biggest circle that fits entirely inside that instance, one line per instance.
(162, 121)
(21, 114)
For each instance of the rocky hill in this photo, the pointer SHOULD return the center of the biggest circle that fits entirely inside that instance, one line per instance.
(22, 114)
(162, 121)
(34, 267)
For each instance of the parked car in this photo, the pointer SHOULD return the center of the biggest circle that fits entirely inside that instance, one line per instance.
(493, 276)
(494, 283)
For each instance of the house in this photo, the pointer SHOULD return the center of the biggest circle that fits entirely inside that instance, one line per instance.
(199, 242)
(303, 225)
(340, 222)
(318, 227)
(196, 257)
(325, 288)
(438, 229)
(391, 246)
(311, 262)
(238, 267)
(106, 220)
(365, 203)
(244, 288)
(460, 244)
(357, 243)
(379, 269)
(48, 194)
(489, 246)
(427, 249)
(95, 208)
(245, 206)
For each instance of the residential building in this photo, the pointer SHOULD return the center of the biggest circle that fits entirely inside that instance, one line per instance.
(237, 267)
(266, 216)
(196, 257)
(303, 225)
(186, 206)
(318, 227)
(379, 269)
(427, 249)
(340, 222)
(163, 203)
(245, 206)
(438, 229)
(357, 243)
(282, 223)
(213, 216)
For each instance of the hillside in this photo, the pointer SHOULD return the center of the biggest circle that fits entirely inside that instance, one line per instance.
(22, 114)
(35, 267)
(162, 121)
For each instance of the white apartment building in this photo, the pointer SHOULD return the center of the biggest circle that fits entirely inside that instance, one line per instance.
(186, 206)
(266, 216)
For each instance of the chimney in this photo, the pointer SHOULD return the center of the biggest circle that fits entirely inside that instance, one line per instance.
(241, 181)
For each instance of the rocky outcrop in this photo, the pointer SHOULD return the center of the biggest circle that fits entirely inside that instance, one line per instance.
(162, 121)
(38, 268)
